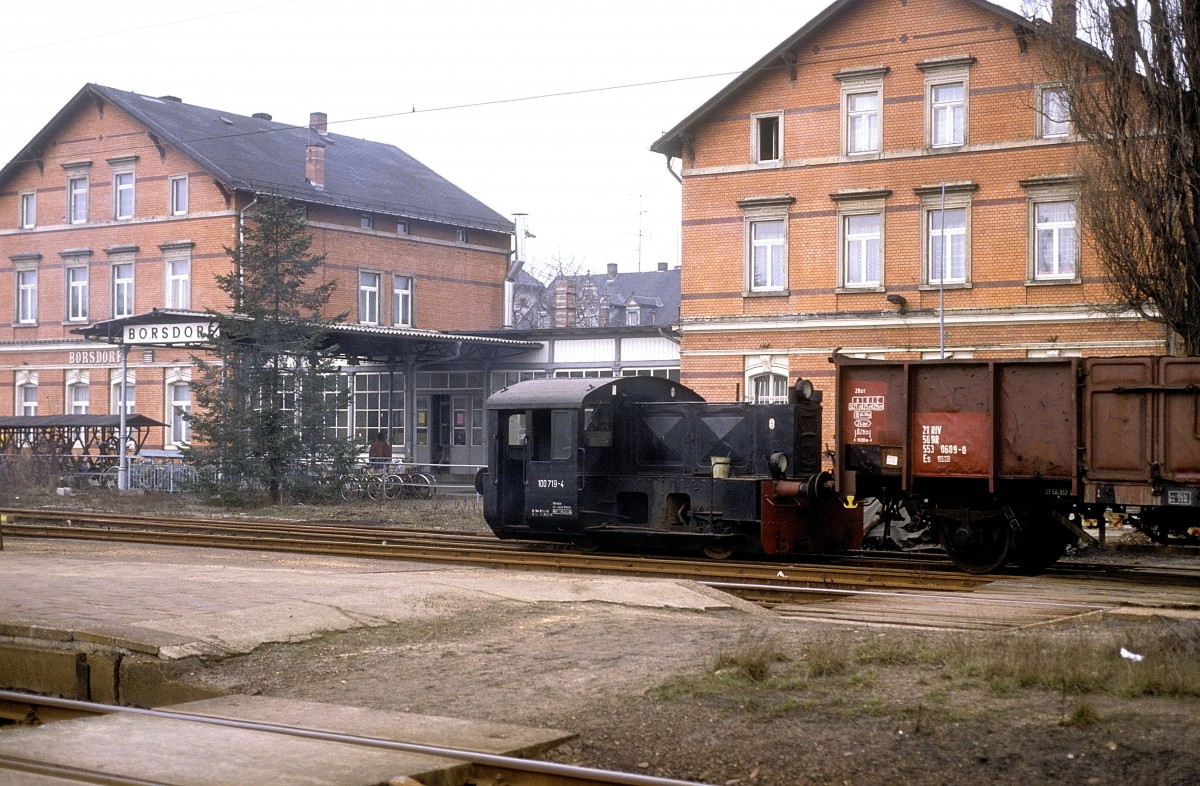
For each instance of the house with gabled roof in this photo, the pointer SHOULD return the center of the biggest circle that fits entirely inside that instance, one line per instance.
(125, 203)
(609, 324)
(894, 179)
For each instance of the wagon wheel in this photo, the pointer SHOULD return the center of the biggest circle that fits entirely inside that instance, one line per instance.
(717, 551)
(977, 546)
(1041, 542)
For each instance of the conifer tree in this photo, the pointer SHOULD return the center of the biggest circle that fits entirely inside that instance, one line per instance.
(268, 393)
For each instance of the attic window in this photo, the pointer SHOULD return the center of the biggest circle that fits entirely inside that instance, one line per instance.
(401, 227)
(462, 236)
(366, 222)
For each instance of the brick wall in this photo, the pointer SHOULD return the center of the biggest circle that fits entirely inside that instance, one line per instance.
(457, 285)
(1000, 312)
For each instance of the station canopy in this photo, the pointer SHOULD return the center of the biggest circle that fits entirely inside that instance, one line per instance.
(356, 343)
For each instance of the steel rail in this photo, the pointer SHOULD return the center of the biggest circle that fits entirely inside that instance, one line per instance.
(560, 773)
(391, 545)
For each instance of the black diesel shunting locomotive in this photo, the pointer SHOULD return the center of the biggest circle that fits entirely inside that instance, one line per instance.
(638, 459)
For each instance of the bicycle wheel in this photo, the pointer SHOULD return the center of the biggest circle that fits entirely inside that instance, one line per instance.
(351, 489)
(423, 485)
(393, 486)
(374, 486)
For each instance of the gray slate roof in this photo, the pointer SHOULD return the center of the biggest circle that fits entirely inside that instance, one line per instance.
(263, 156)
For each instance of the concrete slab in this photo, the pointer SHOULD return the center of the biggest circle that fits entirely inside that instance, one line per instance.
(189, 753)
(174, 603)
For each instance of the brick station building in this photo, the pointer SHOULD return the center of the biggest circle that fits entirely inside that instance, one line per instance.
(124, 203)
(895, 179)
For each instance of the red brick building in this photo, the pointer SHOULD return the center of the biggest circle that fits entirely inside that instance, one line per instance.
(894, 179)
(126, 203)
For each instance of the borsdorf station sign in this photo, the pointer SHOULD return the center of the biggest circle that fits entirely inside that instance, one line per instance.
(170, 333)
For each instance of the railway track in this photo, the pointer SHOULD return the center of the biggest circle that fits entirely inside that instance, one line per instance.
(476, 550)
(865, 588)
(487, 769)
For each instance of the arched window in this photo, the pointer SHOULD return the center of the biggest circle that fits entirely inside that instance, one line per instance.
(114, 399)
(179, 406)
(769, 389)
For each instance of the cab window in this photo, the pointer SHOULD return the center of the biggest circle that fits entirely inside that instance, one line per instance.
(553, 435)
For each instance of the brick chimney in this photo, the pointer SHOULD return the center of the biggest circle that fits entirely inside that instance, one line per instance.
(1064, 16)
(1123, 23)
(314, 165)
(564, 303)
(318, 121)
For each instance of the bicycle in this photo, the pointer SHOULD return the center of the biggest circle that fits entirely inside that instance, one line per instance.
(410, 482)
(365, 482)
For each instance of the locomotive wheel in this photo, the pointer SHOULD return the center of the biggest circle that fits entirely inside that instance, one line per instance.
(717, 551)
(978, 546)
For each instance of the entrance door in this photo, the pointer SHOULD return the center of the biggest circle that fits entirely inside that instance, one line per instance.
(439, 433)
(551, 489)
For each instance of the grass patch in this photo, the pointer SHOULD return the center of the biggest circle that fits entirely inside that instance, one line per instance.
(763, 676)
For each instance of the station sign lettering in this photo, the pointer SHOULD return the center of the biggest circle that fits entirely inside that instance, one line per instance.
(94, 357)
(172, 333)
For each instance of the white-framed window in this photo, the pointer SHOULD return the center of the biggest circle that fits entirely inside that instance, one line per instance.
(77, 199)
(27, 296)
(77, 293)
(947, 100)
(768, 254)
(116, 389)
(583, 373)
(947, 114)
(25, 392)
(1054, 112)
(665, 373)
(178, 186)
(368, 297)
(946, 240)
(767, 141)
(366, 222)
(123, 195)
(462, 235)
(862, 110)
(178, 406)
(1055, 240)
(862, 122)
(769, 389)
(122, 289)
(766, 243)
(402, 301)
(27, 396)
(179, 283)
(402, 227)
(78, 398)
(862, 250)
(946, 234)
(1053, 230)
(633, 316)
(27, 219)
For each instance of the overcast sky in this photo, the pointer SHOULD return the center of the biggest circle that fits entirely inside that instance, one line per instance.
(546, 107)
